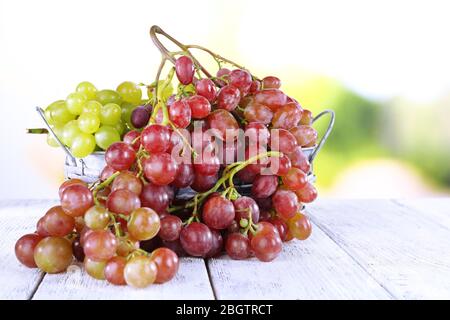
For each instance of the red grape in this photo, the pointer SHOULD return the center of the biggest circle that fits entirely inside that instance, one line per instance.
(160, 168)
(123, 201)
(53, 254)
(114, 270)
(243, 206)
(266, 246)
(223, 73)
(217, 244)
(203, 183)
(264, 186)
(282, 228)
(143, 224)
(167, 264)
(156, 138)
(100, 245)
(131, 136)
(237, 246)
(170, 227)
(295, 179)
(127, 180)
(224, 122)
(256, 86)
(306, 136)
(155, 197)
(287, 116)
(246, 175)
(206, 88)
(208, 164)
(24, 249)
(180, 113)
(76, 199)
(140, 272)
(77, 249)
(185, 176)
(57, 223)
(272, 98)
(218, 212)
(285, 203)
(271, 82)
(120, 156)
(279, 165)
(184, 68)
(307, 118)
(175, 246)
(140, 117)
(228, 98)
(106, 173)
(299, 160)
(307, 194)
(300, 226)
(200, 106)
(282, 140)
(196, 239)
(256, 112)
(68, 183)
(242, 80)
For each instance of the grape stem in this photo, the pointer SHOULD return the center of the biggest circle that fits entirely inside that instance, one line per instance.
(200, 197)
(102, 185)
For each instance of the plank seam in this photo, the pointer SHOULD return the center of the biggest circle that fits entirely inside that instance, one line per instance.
(347, 252)
(35, 289)
(211, 282)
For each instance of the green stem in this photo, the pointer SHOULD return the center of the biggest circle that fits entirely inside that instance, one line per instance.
(104, 184)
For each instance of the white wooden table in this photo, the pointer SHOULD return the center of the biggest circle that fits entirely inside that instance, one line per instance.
(359, 249)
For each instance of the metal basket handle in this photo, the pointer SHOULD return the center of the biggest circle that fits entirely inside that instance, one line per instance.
(327, 132)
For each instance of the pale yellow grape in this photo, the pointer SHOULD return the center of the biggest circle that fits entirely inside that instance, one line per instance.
(110, 114)
(58, 113)
(83, 145)
(108, 96)
(92, 107)
(106, 136)
(57, 129)
(130, 92)
(120, 127)
(88, 122)
(75, 102)
(88, 89)
(69, 132)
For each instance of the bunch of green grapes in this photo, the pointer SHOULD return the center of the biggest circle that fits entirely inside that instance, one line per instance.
(91, 120)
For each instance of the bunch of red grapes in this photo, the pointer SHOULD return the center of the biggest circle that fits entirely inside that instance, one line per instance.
(216, 135)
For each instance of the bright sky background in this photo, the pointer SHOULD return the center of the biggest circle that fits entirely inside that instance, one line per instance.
(379, 48)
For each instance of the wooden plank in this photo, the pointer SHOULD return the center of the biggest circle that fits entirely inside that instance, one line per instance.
(404, 250)
(437, 209)
(190, 283)
(313, 269)
(18, 218)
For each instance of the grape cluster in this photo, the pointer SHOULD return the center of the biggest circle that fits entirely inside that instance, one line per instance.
(214, 135)
(91, 120)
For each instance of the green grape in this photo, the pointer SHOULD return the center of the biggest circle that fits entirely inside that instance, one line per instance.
(127, 110)
(58, 113)
(92, 107)
(88, 123)
(130, 92)
(110, 114)
(88, 89)
(108, 96)
(69, 132)
(189, 89)
(75, 102)
(106, 136)
(83, 145)
(96, 269)
(120, 127)
(168, 91)
(57, 129)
